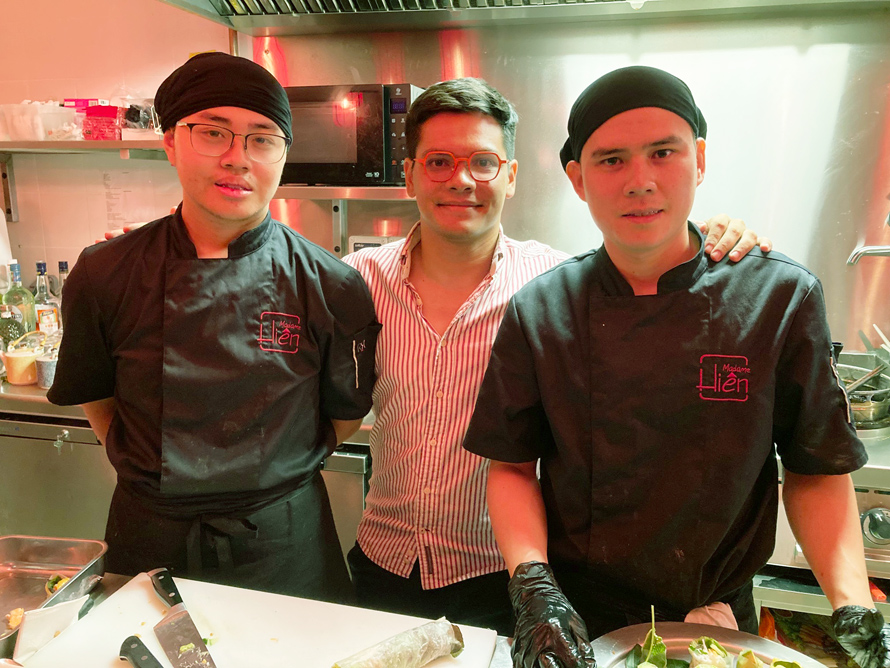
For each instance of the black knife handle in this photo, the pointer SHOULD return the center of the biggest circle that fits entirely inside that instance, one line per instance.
(164, 586)
(134, 651)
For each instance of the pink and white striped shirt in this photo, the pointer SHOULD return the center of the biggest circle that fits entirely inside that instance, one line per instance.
(427, 494)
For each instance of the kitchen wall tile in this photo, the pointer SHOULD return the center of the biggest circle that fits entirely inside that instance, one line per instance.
(65, 215)
(25, 171)
(50, 89)
(13, 92)
(55, 253)
(27, 232)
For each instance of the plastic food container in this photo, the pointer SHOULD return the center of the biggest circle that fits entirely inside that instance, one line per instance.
(58, 123)
(23, 122)
(4, 133)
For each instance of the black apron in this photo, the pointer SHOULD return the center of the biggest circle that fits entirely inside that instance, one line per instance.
(287, 547)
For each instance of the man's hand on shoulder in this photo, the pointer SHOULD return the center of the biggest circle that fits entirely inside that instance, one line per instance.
(113, 234)
(725, 234)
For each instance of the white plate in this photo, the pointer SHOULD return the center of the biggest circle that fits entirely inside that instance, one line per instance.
(611, 649)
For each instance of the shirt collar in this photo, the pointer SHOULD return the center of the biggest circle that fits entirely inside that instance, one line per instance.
(413, 240)
(247, 243)
(680, 277)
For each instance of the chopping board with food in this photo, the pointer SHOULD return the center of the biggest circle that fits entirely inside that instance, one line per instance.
(242, 628)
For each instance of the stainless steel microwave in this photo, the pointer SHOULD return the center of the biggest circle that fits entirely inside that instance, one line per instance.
(351, 135)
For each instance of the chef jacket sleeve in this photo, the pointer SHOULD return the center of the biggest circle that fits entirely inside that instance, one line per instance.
(347, 376)
(85, 370)
(812, 425)
(509, 423)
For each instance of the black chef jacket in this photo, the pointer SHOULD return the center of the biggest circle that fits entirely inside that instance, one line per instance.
(654, 417)
(225, 372)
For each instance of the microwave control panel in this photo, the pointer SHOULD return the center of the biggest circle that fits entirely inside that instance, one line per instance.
(398, 99)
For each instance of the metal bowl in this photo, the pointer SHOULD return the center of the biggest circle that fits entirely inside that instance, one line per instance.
(871, 401)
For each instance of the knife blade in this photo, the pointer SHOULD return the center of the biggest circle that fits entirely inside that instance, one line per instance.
(134, 651)
(177, 632)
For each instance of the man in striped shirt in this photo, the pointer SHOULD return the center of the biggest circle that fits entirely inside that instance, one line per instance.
(425, 544)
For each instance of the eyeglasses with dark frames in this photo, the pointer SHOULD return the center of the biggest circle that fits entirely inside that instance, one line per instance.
(213, 141)
(483, 166)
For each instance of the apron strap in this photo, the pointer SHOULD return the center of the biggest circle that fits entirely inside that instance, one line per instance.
(219, 531)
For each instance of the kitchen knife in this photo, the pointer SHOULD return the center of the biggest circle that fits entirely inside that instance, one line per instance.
(134, 651)
(177, 632)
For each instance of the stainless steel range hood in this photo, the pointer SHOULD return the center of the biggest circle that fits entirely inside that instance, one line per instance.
(295, 17)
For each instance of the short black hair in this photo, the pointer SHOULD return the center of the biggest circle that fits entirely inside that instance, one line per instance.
(466, 95)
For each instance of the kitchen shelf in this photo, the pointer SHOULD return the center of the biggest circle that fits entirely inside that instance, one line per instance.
(301, 17)
(82, 146)
(376, 193)
(145, 149)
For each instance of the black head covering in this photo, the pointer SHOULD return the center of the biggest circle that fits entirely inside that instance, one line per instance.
(623, 90)
(210, 80)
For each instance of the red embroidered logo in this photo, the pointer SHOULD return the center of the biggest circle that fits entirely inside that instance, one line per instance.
(723, 378)
(279, 332)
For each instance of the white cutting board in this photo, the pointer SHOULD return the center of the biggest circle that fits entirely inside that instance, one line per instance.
(251, 629)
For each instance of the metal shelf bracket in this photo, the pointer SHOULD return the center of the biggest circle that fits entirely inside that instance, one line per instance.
(7, 189)
(338, 219)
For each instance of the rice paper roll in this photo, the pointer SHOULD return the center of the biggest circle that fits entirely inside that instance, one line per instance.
(708, 652)
(748, 659)
(410, 649)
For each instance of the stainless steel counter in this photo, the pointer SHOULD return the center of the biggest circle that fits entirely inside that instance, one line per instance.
(31, 400)
(53, 448)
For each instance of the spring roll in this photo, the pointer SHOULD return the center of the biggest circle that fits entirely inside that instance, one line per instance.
(411, 649)
(748, 659)
(708, 652)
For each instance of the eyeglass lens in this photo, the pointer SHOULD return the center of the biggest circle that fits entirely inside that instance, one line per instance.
(212, 141)
(483, 165)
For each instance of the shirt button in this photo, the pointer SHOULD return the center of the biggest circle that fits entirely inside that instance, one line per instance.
(426, 490)
(440, 394)
(432, 441)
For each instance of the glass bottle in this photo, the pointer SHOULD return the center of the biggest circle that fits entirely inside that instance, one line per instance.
(20, 299)
(45, 305)
(10, 328)
(63, 275)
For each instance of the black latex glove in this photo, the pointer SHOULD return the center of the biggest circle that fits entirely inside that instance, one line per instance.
(863, 635)
(549, 633)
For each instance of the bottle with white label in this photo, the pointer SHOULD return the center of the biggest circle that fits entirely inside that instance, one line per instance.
(45, 305)
(20, 299)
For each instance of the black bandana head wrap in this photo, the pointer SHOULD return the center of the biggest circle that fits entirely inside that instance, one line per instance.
(623, 90)
(219, 80)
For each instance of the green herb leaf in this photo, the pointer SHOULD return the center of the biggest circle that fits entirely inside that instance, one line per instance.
(654, 648)
(634, 657)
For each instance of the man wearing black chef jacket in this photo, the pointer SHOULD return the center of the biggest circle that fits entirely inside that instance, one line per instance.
(425, 545)
(651, 384)
(220, 356)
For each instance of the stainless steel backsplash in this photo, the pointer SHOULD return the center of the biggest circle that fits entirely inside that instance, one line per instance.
(798, 110)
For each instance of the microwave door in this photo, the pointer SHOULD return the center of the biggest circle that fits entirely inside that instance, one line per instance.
(338, 135)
